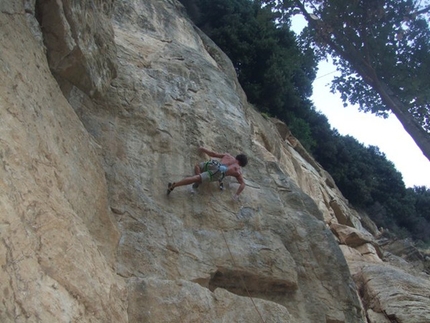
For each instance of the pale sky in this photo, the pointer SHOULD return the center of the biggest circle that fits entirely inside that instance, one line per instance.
(387, 134)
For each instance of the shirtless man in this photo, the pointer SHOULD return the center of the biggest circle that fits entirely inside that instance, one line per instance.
(214, 170)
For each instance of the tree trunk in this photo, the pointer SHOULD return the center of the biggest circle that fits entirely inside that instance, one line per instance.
(365, 70)
(412, 127)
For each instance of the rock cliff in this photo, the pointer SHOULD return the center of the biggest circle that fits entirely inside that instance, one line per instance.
(102, 103)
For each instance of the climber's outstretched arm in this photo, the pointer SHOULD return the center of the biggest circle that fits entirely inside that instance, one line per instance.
(211, 153)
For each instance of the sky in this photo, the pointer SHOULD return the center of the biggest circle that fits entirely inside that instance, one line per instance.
(387, 134)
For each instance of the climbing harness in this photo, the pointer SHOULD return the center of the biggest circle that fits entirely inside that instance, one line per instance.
(219, 168)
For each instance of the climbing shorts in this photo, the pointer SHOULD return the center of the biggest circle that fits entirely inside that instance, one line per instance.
(211, 171)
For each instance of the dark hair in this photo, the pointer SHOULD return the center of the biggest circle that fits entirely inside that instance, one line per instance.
(242, 159)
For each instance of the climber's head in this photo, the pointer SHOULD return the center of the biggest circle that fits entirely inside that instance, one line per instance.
(242, 159)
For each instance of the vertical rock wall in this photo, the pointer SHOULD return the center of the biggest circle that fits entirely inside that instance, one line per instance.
(175, 92)
(58, 234)
(78, 36)
(101, 105)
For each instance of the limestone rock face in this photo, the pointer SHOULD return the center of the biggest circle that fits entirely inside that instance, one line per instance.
(171, 96)
(80, 42)
(58, 234)
(399, 296)
(88, 233)
(183, 301)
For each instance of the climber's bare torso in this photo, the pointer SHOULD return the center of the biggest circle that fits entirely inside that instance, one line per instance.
(233, 167)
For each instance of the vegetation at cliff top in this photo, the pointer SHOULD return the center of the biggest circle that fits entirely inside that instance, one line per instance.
(381, 48)
(276, 69)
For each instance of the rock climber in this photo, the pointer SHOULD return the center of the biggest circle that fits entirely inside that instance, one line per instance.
(214, 170)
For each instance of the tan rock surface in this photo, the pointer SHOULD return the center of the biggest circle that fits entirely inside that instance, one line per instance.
(351, 236)
(80, 42)
(182, 301)
(401, 297)
(58, 236)
(88, 234)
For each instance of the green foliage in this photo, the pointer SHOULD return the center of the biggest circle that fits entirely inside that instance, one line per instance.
(422, 201)
(271, 68)
(300, 126)
(420, 197)
(382, 50)
(377, 40)
(266, 115)
(372, 183)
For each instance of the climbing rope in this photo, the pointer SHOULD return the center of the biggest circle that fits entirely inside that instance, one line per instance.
(235, 265)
